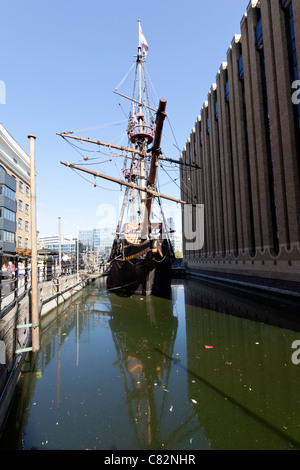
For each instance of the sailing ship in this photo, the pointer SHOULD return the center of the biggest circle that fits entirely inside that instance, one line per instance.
(141, 255)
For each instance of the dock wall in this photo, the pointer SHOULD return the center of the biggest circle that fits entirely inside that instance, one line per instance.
(15, 337)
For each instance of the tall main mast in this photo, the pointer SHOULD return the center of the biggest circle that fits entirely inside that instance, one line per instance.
(140, 116)
(140, 61)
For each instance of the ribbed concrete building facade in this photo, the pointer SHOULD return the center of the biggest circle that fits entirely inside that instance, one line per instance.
(247, 142)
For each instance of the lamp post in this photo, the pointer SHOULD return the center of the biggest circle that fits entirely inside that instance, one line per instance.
(34, 271)
(59, 246)
(77, 253)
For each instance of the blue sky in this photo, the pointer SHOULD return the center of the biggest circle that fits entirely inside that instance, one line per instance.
(60, 61)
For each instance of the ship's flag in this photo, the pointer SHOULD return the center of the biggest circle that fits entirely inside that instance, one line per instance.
(143, 41)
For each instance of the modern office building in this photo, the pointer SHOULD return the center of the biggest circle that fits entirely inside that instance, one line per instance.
(15, 232)
(90, 240)
(68, 243)
(247, 142)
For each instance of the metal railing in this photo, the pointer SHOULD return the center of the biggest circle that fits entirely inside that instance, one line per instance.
(49, 269)
(15, 280)
(15, 276)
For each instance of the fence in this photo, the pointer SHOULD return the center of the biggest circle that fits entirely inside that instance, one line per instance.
(15, 277)
(14, 280)
(50, 269)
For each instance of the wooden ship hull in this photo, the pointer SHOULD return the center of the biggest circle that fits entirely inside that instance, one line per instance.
(146, 274)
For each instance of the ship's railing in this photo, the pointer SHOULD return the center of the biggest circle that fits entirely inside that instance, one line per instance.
(141, 131)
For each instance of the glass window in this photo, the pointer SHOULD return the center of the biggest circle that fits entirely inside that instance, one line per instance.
(6, 236)
(7, 214)
(241, 67)
(27, 191)
(19, 223)
(200, 133)
(227, 91)
(20, 205)
(259, 34)
(20, 186)
(7, 192)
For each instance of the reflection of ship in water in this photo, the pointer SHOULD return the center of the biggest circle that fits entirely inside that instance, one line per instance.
(141, 336)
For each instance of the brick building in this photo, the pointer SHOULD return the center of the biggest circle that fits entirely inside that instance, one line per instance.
(247, 142)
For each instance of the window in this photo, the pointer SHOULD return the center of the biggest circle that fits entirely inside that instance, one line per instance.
(7, 214)
(6, 236)
(273, 207)
(7, 192)
(19, 223)
(216, 110)
(26, 226)
(26, 243)
(200, 133)
(26, 209)
(227, 91)
(27, 191)
(259, 34)
(19, 242)
(207, 125)
(241, 67)
(20, 205)
(20, 186)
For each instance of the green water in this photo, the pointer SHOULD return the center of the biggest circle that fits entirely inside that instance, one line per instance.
(192, 372)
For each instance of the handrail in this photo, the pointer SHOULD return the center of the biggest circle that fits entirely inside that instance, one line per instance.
(15, 284)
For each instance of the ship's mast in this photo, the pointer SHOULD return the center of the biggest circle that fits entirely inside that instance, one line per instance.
(142, 145)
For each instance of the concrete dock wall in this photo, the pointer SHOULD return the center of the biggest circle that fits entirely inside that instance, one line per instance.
(14, 337)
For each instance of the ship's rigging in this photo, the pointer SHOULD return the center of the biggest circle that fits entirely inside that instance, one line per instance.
(139, 245)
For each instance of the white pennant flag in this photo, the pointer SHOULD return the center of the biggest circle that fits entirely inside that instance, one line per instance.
(143, 40)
